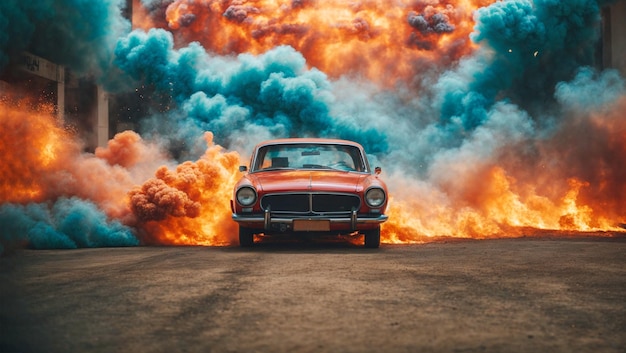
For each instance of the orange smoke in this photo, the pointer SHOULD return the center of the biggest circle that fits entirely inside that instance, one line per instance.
(42, 161)
(575, 183)
(379, 41)
(32, 145)
(509, 196)
(189, 205)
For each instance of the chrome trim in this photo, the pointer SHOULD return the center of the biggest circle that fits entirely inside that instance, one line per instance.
(347, 220)
(353, 219)
(310, 194)
(267, 220)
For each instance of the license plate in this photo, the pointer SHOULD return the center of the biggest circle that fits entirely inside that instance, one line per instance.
(311, 225)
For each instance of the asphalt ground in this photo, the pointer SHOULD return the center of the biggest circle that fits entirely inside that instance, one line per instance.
(547, 294)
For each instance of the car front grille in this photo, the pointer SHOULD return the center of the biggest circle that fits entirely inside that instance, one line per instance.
(311, 203)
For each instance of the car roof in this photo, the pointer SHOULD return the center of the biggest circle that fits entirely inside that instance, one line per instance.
(304, 140)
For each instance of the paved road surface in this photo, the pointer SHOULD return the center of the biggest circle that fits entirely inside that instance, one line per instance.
(509, 295)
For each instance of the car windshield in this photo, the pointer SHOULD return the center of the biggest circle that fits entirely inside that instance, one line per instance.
(309, 156)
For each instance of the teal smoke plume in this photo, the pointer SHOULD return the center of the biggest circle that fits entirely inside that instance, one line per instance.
(67, 223)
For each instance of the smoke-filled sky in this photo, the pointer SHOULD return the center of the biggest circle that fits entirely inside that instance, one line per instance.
(490, 119)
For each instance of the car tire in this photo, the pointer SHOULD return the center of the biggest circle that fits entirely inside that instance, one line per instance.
(372, 238)
(246, 237)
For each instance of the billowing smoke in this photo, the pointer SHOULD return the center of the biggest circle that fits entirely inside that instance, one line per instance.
(430, 23)
(487, 117)
(53, 194)
(273, 94)
(380, 41)
(67, 223)
(78, 34)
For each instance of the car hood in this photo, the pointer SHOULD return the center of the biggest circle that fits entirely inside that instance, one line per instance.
(304, 180)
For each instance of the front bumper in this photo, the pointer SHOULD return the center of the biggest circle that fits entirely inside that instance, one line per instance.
(269, 222)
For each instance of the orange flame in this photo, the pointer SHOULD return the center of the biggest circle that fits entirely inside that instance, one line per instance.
(42, 160)
(32, 143)
(392, 39)
(564, 193)
(190, 205)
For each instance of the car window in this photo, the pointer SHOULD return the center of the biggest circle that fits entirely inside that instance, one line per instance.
(309, 156)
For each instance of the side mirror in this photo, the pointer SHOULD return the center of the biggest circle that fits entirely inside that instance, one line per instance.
(377, 170)
(243, 168)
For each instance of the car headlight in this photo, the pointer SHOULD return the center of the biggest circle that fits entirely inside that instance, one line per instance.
(246, 196)
(375, 197)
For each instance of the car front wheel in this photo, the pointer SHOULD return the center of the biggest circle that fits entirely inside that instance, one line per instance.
(246, 237)
(372, 238)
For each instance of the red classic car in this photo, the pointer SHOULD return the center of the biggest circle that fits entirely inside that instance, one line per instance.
(309, 186)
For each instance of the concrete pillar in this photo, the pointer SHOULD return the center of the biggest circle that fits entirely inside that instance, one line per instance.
(102, 116)
(618, 36)
(61, 93)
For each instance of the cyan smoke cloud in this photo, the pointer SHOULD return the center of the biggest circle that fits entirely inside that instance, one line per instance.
(527, 47)
(76, 33)
(273, 94)
(68, 223)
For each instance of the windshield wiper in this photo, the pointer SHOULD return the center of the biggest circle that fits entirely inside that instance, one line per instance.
(274, 168)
